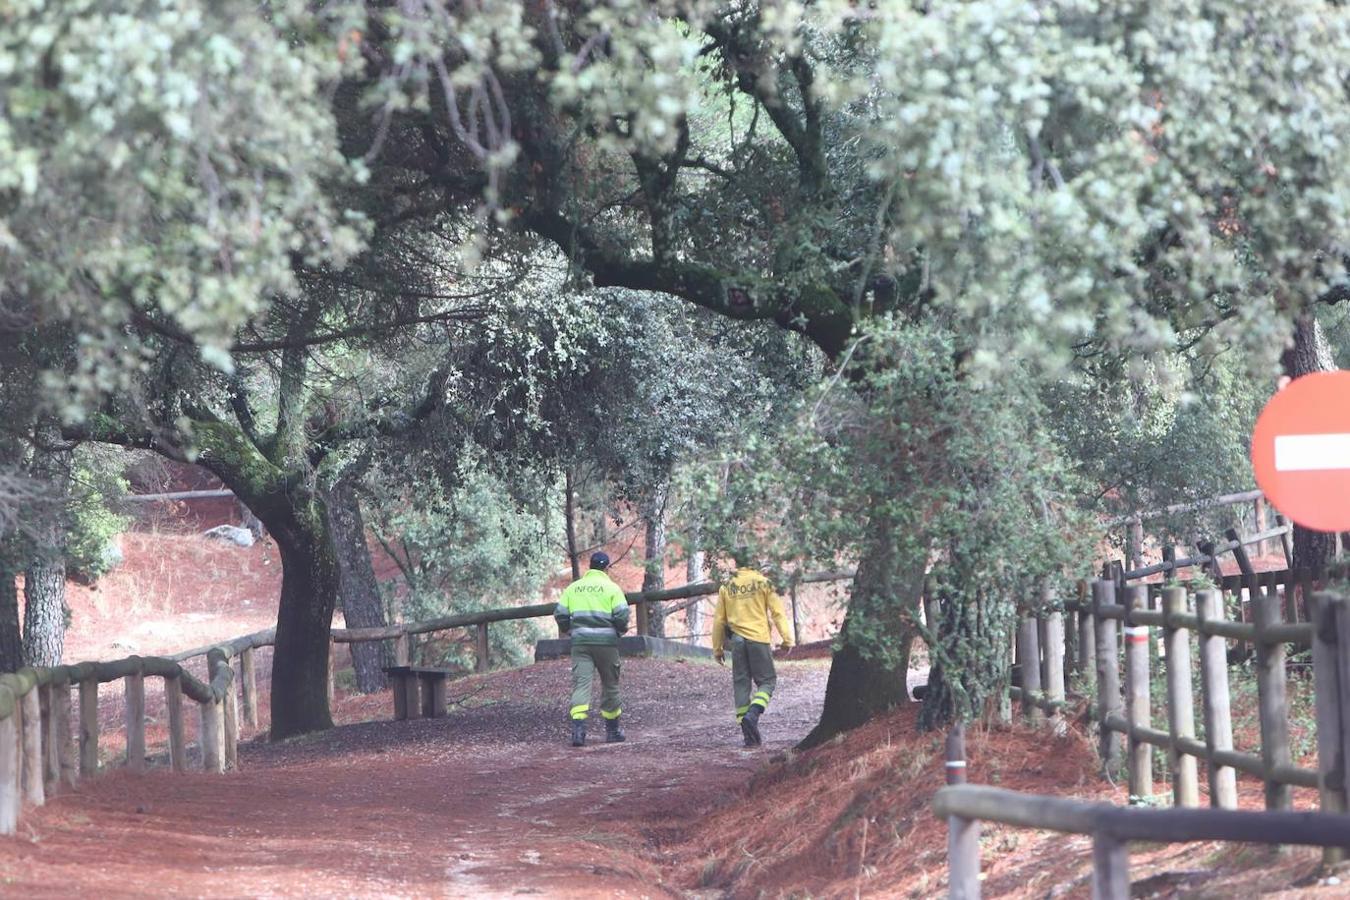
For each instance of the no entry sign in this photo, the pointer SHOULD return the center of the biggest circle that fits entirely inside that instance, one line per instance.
(1301, 451)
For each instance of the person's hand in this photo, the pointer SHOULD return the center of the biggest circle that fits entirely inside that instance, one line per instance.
(720, 657)
(786, 648)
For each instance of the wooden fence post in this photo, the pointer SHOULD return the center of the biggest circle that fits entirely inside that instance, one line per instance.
(173, 707)
(1054, 665)
(1272, 699)
(9, 771)
(643, 619)
(88, 727)
(1259, 525)
(230, 715)
(1180, 699)
(33, 788)
(134, 687)
(1322, 611)
(1135, 544)
(963, 835)
(1087, 635)
(1342, 623)
(1286, 545)
(1110, 868)
(1217, 709)
(1031, 667)
(1108, 673)
(51, 744)
(65, 735)
(1140, 769)
(483, 661)
(401, 655)
(332, 670)
(249, 686)
(212, 736)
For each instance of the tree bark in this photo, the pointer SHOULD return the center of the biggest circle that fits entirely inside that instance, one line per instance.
(693, 574)
(310, 580)
(11, 643)
(570, 517)
(654, 556)
(1310, 353)
(868, 671)
(360, 591)
(44, 613)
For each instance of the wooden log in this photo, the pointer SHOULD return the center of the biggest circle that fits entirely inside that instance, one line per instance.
(212, 733)
(1108, 674)
(9, 773)
(229, 705)
(65, 736)
(1087, 640)
(173, 708)
(401, 655)
(1110, 868)
(51, 747)
(1180, 700)
(1054, 664)
(1272, 700)
(1286, 545)
(1217, 708)
(412, 697)
(332, 670)
(1259, 524)
(1139, 771)
(34, 786)
(1342, 634)
(1029, 653)
(249, 685)
(643, 619)
(963, 835)
(88, 728)
(400, 695)
(1322, 612)
(134, 685)
(435, 689)
(483, 661)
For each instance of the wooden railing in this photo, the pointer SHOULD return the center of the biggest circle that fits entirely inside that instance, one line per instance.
(1113, 640)
(43, 750)
(1111, 828)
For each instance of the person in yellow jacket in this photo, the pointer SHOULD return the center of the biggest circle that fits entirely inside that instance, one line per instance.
(744, 605)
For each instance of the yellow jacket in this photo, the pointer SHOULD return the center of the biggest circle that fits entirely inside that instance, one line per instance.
(744, 605)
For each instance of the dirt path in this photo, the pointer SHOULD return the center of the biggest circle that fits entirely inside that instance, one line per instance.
(489, 802)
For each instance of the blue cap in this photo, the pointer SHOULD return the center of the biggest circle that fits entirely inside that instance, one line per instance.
(599, 560)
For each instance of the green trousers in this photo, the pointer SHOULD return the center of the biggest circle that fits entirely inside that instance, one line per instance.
(751, 661)
(587, 660)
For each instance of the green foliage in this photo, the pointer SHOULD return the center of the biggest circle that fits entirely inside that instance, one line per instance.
(164, 158)
(468, 547)
(907, 467)
(94, 522)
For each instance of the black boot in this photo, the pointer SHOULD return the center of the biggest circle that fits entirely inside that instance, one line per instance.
(750, 726)
(613, 733)
(578, 732)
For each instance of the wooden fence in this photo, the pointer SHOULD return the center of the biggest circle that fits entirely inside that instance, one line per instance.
(43, 750)
(1109, 641)
(1111, 828)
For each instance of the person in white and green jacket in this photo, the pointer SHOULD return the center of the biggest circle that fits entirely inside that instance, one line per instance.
(594, 611)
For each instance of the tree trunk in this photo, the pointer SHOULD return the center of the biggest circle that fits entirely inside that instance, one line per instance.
(570, 517)
(654, 557)
(360, 591)
(1310, 353)
(11, 644)
(693, 574)
(310, 580)
(868, 672)
(44, 612)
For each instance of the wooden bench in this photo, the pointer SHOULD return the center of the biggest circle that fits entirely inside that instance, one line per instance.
(419, 691)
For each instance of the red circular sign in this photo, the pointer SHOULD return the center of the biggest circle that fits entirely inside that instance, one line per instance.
(1301, 451)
